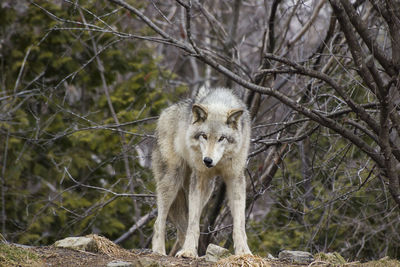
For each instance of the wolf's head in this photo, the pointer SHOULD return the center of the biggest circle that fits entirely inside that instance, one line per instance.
(215, 131)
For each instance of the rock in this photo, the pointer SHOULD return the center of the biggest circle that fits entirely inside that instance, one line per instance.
(79, 243)
(300, 257)
(118, 263)
(215, 253)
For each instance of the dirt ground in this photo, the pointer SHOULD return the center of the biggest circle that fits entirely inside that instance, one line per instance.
(106, 252)
(52, 256)
(46, 256)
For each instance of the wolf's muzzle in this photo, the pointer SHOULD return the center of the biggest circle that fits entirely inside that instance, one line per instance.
(208, 162)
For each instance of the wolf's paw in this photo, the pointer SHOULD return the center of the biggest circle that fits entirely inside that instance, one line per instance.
(160, 253)
(243, 253)
(186, 253)
(159, 250)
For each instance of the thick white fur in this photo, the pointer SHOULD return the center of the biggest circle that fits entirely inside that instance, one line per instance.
(187, 133)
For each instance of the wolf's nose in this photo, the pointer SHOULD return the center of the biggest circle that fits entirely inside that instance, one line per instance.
(208, 161)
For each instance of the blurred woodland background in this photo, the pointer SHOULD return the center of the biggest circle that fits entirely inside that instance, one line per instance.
(82, 83)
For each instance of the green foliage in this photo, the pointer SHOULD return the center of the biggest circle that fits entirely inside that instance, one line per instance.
(59, 155)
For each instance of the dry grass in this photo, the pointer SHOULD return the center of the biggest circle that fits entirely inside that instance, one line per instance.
(243, 261)
(107, 247)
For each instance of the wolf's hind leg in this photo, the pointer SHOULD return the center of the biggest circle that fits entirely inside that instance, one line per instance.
(180, 238)
(178, 215)
(167, 189)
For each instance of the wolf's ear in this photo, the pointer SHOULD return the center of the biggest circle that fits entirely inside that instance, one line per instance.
(233, 117)
(199, 113)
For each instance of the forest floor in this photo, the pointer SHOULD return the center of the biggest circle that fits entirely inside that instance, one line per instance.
(63, 257)
(13, 255)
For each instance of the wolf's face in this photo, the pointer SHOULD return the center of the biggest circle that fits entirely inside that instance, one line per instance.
(214, 132)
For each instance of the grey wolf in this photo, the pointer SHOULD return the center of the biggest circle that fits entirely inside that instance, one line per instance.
(198, 140)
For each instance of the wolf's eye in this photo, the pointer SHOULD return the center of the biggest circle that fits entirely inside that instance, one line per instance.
(204, 136)
(222, 138)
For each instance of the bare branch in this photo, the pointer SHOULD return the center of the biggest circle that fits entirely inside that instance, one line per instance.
(310, 21)
(339, 89)
(153, 26)
(367, 38)
(353, 44)
(138, 224)
(107, 190)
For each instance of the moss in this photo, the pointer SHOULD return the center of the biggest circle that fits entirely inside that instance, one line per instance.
(11, 255)
(384, 262)
(334, 259)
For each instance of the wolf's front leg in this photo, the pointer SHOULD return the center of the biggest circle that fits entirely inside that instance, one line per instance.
(236, 190)
(199, 193)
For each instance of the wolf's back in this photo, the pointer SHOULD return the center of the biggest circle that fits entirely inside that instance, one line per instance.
(170, 131)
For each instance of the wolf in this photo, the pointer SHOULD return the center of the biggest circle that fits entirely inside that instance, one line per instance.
(197, 141)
